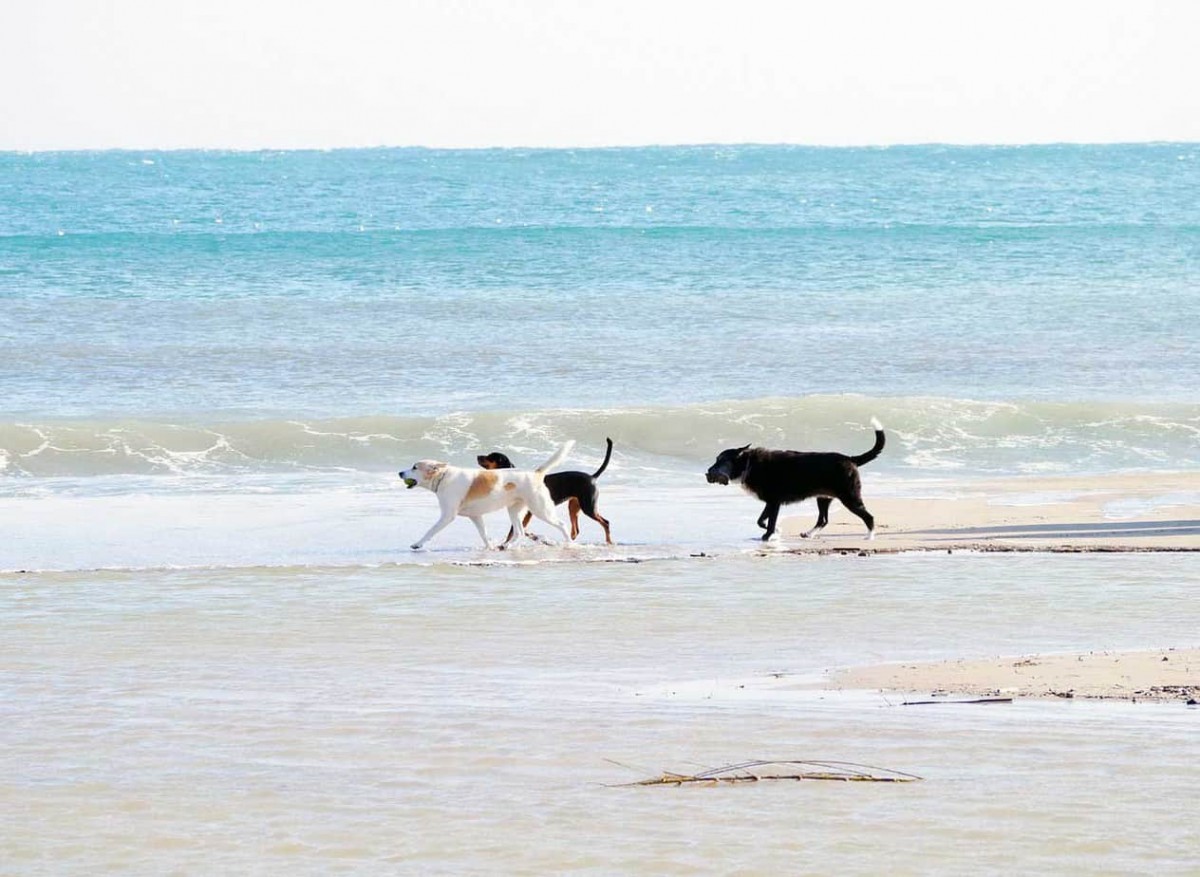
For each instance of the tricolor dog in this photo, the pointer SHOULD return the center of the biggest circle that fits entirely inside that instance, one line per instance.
(473, 493)
(781, 477)
(577, 489)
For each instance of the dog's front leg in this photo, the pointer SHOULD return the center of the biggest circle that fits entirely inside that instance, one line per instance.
(822, 517)
(477, 520)
(771, 513)
(443, 522)
(762, 519)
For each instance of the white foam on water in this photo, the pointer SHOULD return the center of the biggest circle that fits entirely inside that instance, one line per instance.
(347, 528)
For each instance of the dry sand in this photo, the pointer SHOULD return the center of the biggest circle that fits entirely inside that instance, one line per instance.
(1160, 675)
(1157, 511)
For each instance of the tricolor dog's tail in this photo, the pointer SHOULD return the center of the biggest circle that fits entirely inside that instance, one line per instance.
(870, 455)
(559, 456)
(607, 457)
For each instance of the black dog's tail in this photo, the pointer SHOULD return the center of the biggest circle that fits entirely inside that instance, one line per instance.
(870, 455)
(607, 456)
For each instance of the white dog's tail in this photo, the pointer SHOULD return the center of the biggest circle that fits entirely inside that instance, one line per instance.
(559, 456)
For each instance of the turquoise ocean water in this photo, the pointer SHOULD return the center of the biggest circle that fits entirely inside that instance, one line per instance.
(308, 312)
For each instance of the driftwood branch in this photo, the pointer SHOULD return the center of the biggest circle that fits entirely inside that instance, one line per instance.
(973, 700)
(759, 771)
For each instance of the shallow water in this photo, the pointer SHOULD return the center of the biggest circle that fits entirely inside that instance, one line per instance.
(465, 720)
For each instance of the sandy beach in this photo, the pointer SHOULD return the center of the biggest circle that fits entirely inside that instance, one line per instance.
(1157, 675)
(1153, 511)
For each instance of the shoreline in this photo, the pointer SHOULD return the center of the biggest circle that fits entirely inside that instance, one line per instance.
(1128, 512)
(1156, 676)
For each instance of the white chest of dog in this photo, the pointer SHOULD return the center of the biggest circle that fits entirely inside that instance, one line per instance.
(473, 493)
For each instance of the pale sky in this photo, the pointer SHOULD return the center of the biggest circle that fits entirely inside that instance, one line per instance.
(252, 74)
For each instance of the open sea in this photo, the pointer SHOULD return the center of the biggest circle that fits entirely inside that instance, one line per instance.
(219, 655)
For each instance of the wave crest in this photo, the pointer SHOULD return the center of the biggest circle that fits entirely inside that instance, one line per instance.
(924, 434)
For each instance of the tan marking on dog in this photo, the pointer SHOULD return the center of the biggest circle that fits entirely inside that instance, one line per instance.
(482, 485)
(510, 486)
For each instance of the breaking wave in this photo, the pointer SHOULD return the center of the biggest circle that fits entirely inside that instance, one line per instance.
(925, 435)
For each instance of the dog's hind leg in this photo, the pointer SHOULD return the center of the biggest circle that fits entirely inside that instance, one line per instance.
(526, 526)
(823, 503)
(517, 530)
(588, 505)
(855, 504)
(533, 536)
(603, 522)
(477, 520)
(541, 506)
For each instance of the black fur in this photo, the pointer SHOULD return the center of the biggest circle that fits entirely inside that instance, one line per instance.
(579, 487)
(782, 477)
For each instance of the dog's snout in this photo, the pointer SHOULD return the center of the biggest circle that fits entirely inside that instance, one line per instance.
(715, 477)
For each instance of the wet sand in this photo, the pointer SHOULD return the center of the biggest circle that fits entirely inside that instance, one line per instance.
(1159, 675)
(1157, 511)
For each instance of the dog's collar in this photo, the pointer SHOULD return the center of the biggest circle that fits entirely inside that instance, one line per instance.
(436, 482)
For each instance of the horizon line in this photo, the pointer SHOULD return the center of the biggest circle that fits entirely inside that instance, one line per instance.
(715, 144)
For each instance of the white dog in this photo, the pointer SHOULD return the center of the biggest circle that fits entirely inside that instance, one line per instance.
(473, 493)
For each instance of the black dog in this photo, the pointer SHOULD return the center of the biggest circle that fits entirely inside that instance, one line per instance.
(782, 477)
(578, 487)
